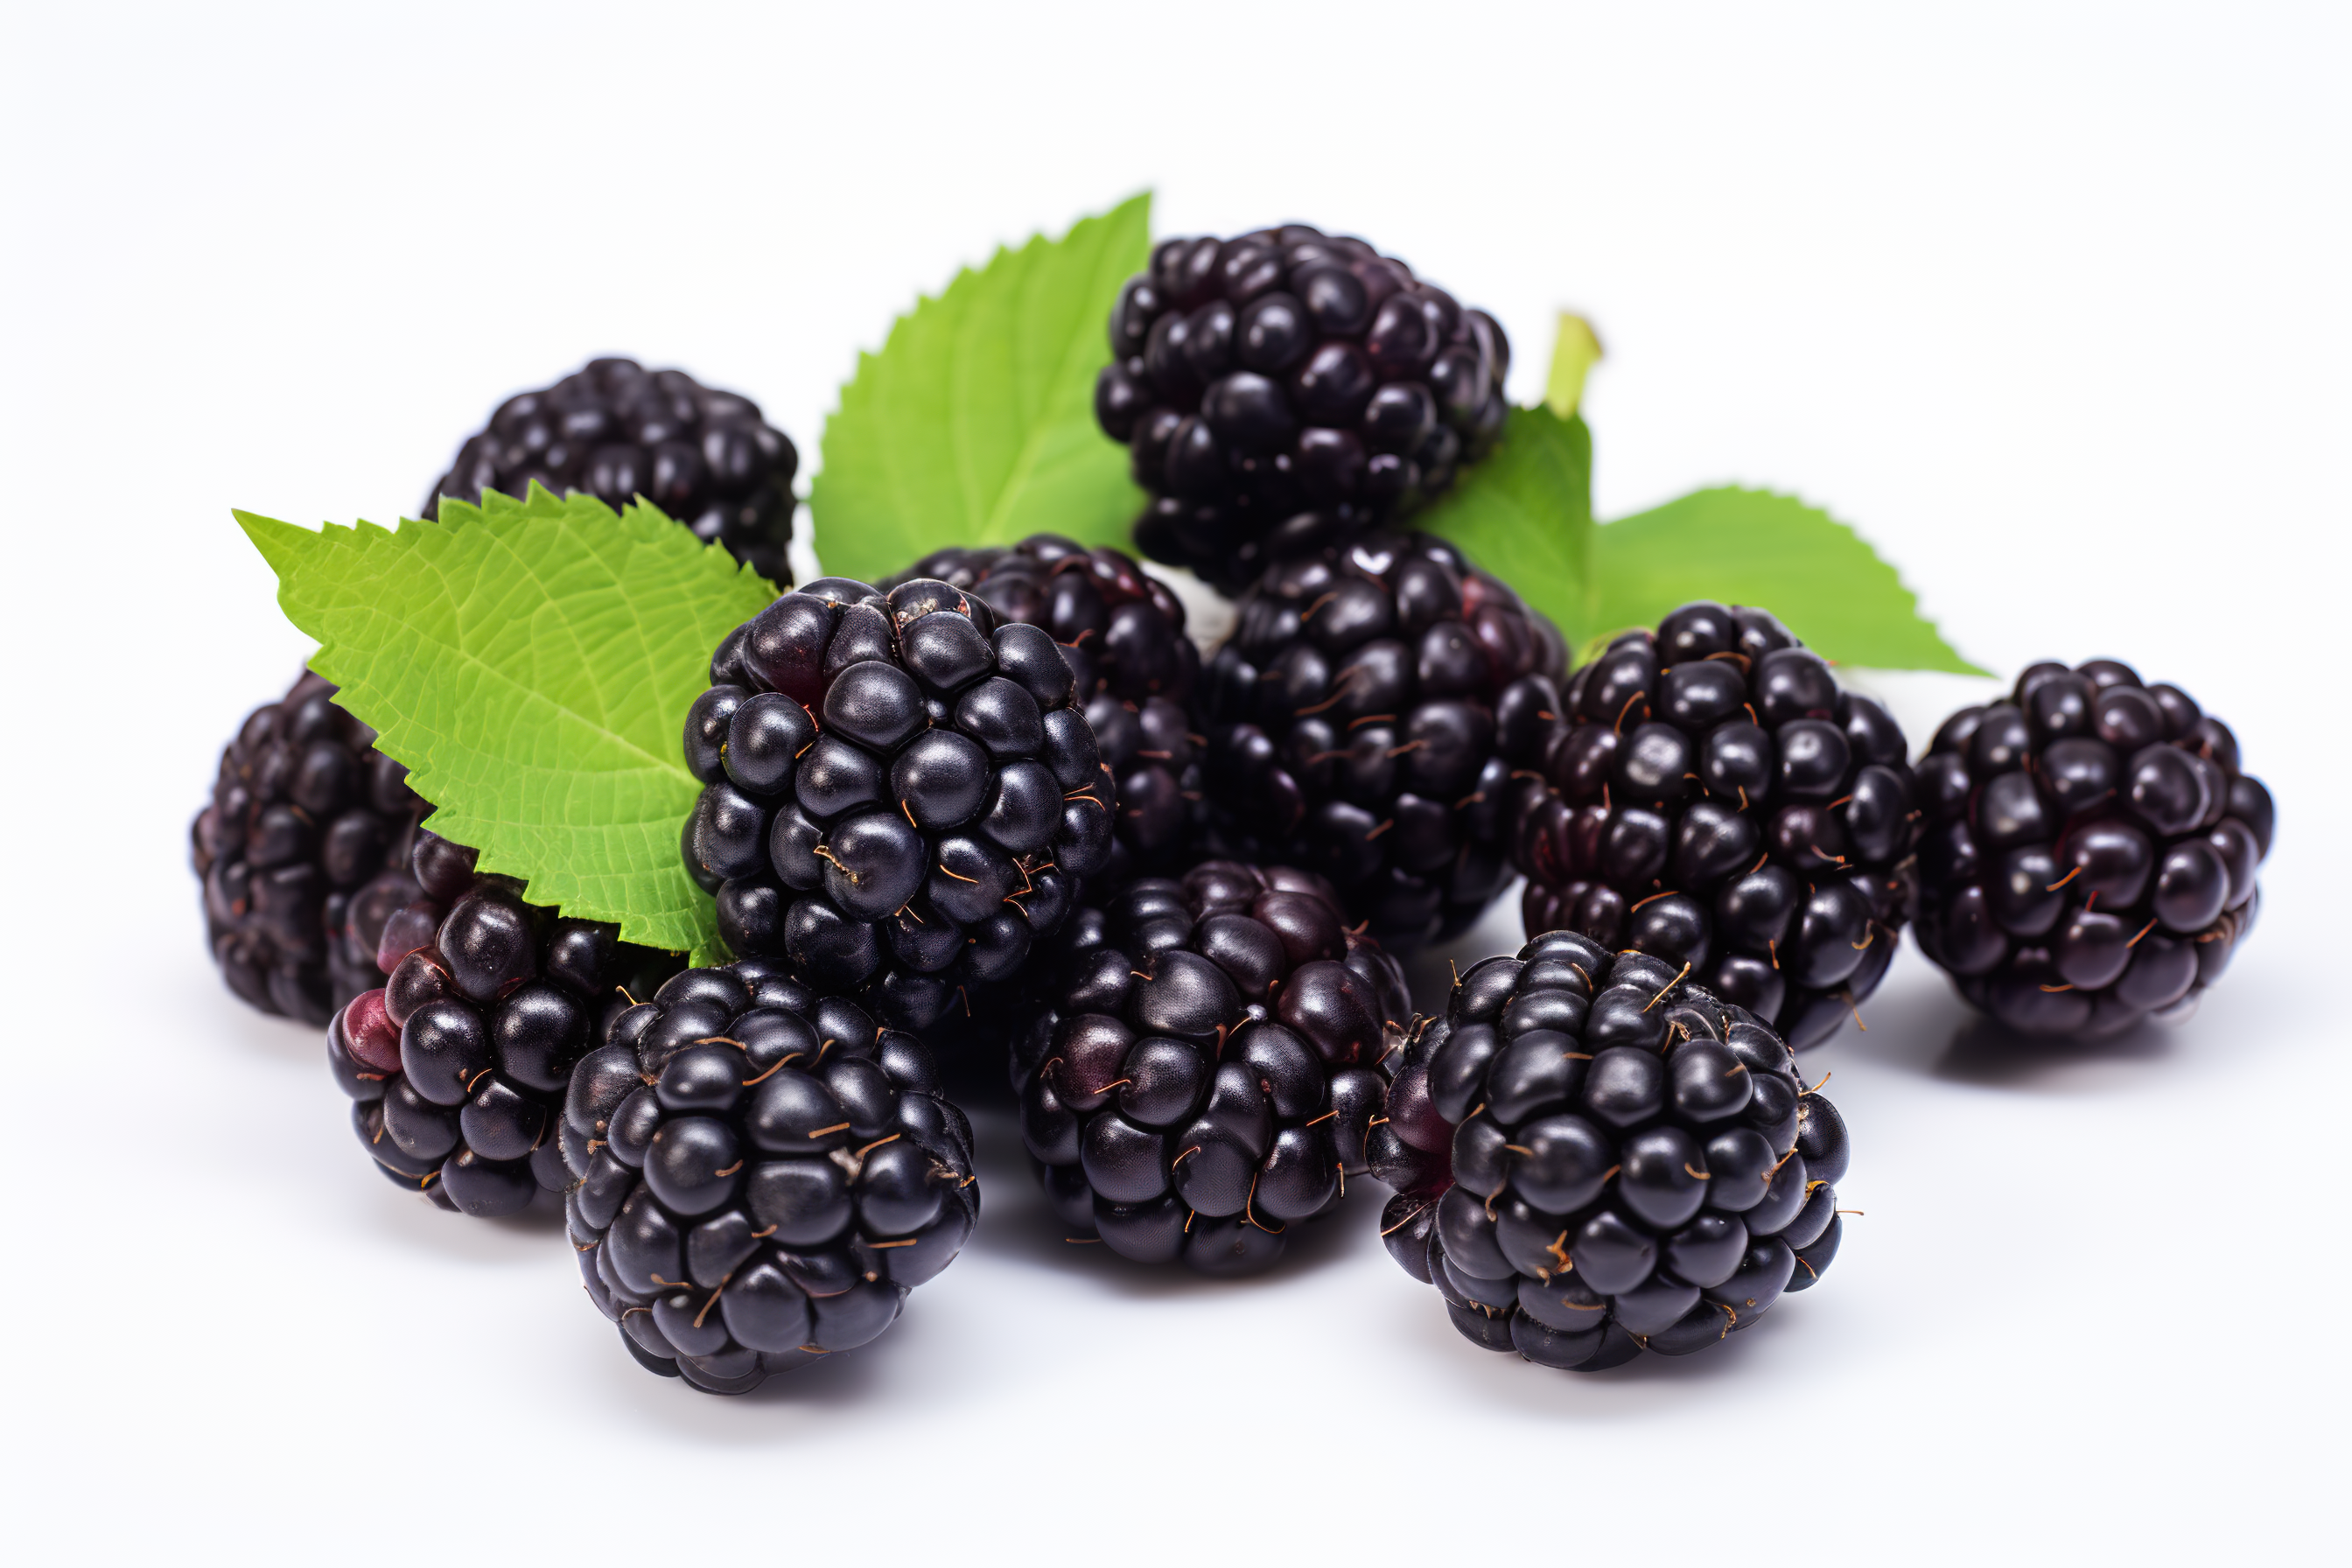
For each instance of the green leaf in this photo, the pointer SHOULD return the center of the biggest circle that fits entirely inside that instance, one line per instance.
(1575, 350)
(1524, 513)
(975, 424)
(531, 664)
(1754, 547)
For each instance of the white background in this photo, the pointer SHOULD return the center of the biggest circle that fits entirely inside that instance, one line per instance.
(2050, 300)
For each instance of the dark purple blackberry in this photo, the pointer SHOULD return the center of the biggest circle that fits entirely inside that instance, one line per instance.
(1366, 716)
(1592, 1159)
(619, 431)
(1286, 390)
(899, 794)
(761, 1175)
(1123, 633)
(2090, 853)
(457, 1066)
(303, 853)
(1197, 1069)
(1715, 799)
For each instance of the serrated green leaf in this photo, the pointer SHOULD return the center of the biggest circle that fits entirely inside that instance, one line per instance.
(1524, 513)
(1756, 547)
(1575, 350)
(531, 663)
(975, 424)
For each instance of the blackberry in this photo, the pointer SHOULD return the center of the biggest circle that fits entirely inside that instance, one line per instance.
(457, 1066)
(1593, 1160)
(1123, 633)
(1366, 716)
(618, 431)
(1714, 798)
(761, 1175)
(2090, 850)
(303, 853)
(899, 793)
(1197, 1067)
(1285, 390)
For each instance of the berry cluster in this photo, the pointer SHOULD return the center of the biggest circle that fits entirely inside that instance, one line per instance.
(618, 431)
(1197, 1071)
(2091, 853)
(899, 793)
(1123, 633)
(303, 853)
(1593, 1160)
(457, 1066)
(1170, 896)
(1366, 717)
(759, 1175)
(1285, 390)
(1717, 800)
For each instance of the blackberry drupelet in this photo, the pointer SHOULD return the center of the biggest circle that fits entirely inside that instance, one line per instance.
(303, 853)
(1285, 390)
(1716, 799)
(1592, 1159)
(457, 1066)
(1366, 716)
(618, 431)
(761, 1175)
(2090, 850)
(1199, 1067)
(899, 793)
(1123, 633)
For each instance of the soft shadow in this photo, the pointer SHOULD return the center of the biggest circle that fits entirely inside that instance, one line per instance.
(280, 1039)
(1508, 1381)
(834, 1385)
(415, 1221)
(1920, 1023)
(1017, 1224)
(1986, 1052)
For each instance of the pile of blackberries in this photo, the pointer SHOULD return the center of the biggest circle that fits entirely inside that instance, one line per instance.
(1000, 819)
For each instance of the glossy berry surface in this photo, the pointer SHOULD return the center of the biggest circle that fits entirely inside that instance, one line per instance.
(759, 1175)
(1286, 389)
(2091, 851)
(1366, 718)
(620, 431)
(1198, 1064)
(1137, 674)
(1712, 796)
(456, 1066)
(899, 793)
(1593, 1160)
(303, 853)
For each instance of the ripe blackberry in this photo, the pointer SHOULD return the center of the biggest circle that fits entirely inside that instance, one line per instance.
(1592, 1159)
(899, 793)
(618, 431)
(1715, 799)
(761, 1175)
(1366, 716)
(1198, 1066)
(1123, 633)
(458, 1065)
(303, 853)
(1285, 390)
(2090, 850)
